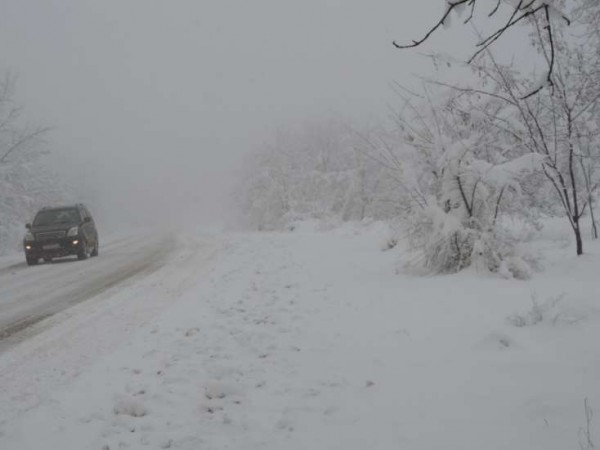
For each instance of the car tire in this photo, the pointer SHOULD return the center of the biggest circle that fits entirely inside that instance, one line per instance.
(83, 252)
(31, 261)
(95, 251)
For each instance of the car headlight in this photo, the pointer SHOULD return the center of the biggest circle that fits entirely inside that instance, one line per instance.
(73, 231)
(29, 236)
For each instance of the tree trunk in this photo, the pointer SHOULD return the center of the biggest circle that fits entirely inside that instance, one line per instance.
(578, 239)
(594, 225)
(363, 209)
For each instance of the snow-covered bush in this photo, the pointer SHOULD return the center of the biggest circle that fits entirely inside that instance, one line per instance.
(465, 178)
(554, 311)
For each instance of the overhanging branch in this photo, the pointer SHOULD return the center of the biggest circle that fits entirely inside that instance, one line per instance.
(523, 10)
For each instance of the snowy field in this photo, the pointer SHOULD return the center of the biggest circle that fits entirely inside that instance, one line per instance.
(313, 340)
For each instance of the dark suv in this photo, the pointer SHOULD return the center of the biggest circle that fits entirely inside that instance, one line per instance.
(61, 231)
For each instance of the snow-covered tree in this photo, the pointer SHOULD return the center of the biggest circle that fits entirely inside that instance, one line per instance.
(560, 124)
(25, 181)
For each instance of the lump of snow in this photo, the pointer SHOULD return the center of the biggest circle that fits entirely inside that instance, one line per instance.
(167, 444)
(129, 406)
(216, 389)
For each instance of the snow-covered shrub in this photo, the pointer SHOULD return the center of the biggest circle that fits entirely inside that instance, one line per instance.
(443, 243)
(551, 311)
(465, 178)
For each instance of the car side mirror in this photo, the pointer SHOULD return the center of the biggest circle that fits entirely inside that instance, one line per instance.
(28, 226)
(87, 220)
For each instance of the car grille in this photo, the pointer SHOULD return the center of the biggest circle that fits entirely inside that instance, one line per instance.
(49, 235)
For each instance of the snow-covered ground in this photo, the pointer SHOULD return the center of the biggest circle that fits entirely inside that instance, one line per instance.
(313, 340)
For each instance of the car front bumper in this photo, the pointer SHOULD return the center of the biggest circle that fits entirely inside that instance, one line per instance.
(54, 248)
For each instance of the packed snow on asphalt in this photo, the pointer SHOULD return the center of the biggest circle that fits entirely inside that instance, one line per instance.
(313, 339)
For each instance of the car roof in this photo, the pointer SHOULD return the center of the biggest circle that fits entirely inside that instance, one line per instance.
(51, 208)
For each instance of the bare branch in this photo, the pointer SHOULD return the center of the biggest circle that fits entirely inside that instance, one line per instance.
(469, 90)
(473, 2)
(451, 6)
(464, 196)
(495, 10)
(548, 29)
(21, 141)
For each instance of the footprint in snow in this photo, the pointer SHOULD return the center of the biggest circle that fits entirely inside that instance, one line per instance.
(285, 425)
(216, 389)
(496, 341)
(191, 332)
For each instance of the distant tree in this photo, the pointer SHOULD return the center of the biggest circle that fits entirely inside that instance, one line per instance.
(15, 138)
(25, 183)
(319, 170)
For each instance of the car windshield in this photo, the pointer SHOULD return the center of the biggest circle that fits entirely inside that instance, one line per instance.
(57, 216)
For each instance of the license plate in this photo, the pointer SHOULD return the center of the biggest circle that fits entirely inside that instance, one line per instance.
(51, 246)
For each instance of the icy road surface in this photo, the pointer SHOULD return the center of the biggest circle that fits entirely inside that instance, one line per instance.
(30, 294)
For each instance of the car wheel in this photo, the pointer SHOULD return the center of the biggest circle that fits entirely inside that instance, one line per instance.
(31, 261)
(95, 251)
(83, 252)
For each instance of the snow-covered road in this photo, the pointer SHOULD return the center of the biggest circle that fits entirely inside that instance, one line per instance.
(30, 294)
(87, 318)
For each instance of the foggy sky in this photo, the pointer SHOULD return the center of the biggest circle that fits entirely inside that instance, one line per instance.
(154, 102)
